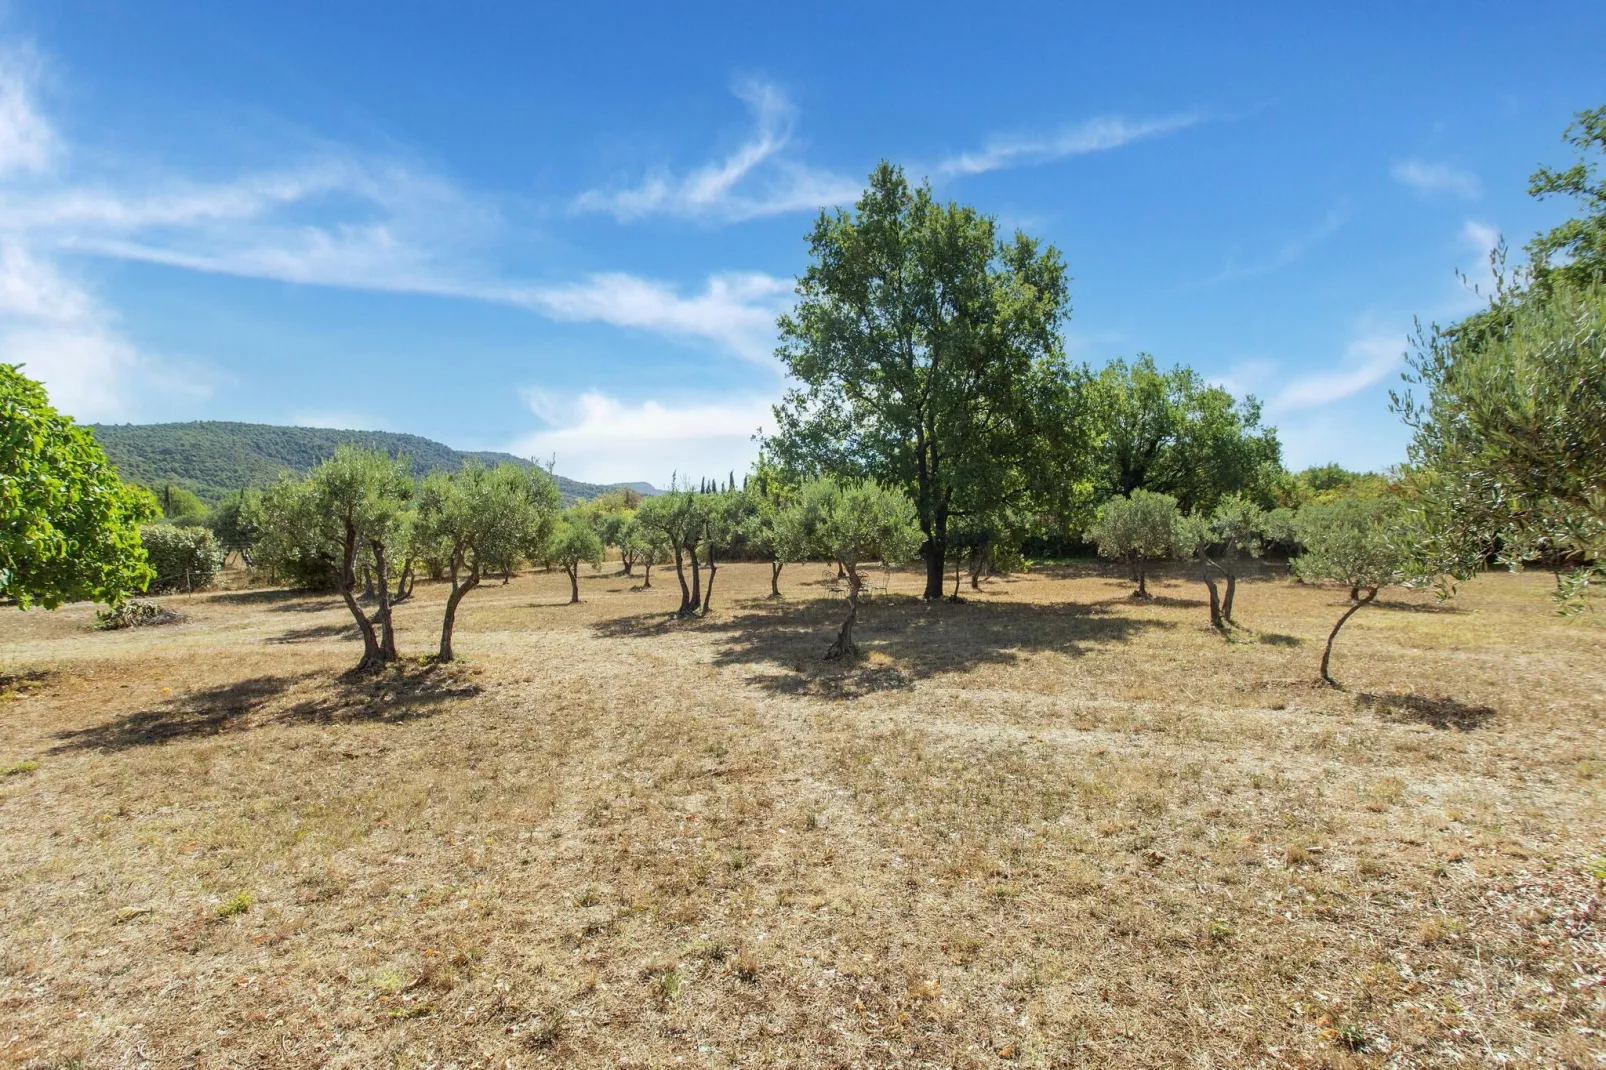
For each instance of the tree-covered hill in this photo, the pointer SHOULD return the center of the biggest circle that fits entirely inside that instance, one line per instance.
(214, 458)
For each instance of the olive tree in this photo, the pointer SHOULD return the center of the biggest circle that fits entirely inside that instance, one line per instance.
(69, 528)
(322, 526)
(575, 542)
(1139, 530)
(670, 520)
(855, 523)
(1221, 540)
(1357, 542)
(476, 520)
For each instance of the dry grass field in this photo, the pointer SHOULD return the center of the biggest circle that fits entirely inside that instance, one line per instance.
(1048, 827)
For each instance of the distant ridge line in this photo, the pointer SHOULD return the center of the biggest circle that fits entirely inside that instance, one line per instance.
(216, 458)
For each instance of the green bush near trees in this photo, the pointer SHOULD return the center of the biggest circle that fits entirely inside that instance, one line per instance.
(182, 558)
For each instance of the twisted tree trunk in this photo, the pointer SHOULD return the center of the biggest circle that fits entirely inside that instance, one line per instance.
(346, 582)
(1226, 599)
(449, 621)
(573, 569)
(387, 632)
(844, 646)
(775, 577)
(1327, 654)
(696, 598)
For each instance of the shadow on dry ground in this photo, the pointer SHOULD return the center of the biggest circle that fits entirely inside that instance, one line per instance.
(1441, 713)
(401, 693)
(901, 639)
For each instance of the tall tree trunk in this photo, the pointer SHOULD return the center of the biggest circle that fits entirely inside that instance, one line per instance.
(708, 592)
(1215, 598)
(574, 581)
(404, 583)
(680, 574)
(449, 621)
(1327, 654)
(844, 646)
(1226, 600)
(346, 580)
(367, 582)
(955, 596)
(646, 574)
(1143, 580)
(775, 577)
(387, 630)
(696, 582)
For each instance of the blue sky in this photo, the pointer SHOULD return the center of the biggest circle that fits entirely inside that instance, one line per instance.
(568, 231)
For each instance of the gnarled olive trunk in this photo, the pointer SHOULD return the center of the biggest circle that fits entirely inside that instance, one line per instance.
(708, 592)
(680, 574)
(1140, 574)
(1226, 598)
(573, 569)
(646, 574)
(404, 583)
(844, 645)
(1215, 596)
(1327, 654)
(387, 631)
(449, 621)
(346, 582)
(696, 599)
(775, 577)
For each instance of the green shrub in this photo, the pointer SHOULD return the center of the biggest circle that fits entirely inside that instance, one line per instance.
(135, 613)
(184, 559)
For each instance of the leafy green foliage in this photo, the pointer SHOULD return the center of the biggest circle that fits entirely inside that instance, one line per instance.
(235, 523)
(479, 520)
(1364, 544)
(1172, 433)
(854, 523)
(321, 527)
(68, 525)
(1509, 450)
(1574, 253)
(1139, 530)
(929, 356)
(183, 558)
(575, 542)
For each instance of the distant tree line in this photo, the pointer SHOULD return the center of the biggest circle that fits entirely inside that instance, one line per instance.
(934, 415)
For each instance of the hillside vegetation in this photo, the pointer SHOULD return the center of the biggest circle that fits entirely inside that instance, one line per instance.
(216, 458)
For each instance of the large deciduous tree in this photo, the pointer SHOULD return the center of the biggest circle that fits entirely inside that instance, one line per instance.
(69, 528)
(928, 353)
(1172, 433)
(476, 520)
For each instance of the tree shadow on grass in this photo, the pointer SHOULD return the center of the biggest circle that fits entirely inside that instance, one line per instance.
(316, 632)
(199, 713)
(1442, 713)
(400, 693)
(901, 639)
(1417, 607)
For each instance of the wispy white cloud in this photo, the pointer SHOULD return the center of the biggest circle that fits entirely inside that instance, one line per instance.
(736, 311)
(27, 142)
(1094, 135)
(1367, 360)
(756, 179)
(598, 437)
(1289, 253)
(337, 219)
(1427, 177)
